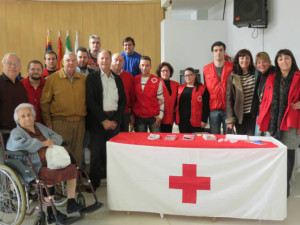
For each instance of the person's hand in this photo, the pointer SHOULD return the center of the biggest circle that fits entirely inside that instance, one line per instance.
(159, 101)
(113, 125)
(48, 143)
(131, 122)
(157, 122)
(50, 126)
(107, 124)
(230, 126)
(298, 132)
(203, 125)
(296, 105)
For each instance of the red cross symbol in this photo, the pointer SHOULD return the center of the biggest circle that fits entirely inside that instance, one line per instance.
(189, 183)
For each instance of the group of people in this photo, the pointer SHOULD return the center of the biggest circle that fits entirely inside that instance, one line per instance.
(96, 95)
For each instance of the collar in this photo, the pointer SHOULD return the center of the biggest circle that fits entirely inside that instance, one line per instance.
(4, 77)
(112, 74)
(63, 74)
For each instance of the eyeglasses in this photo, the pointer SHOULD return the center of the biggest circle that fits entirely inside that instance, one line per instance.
(13, 64)
(165, 71)
(189, 75)
(69, 61)
(35, 69)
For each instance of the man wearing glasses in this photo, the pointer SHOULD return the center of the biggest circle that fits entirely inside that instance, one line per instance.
(63, 106)
(12, 93)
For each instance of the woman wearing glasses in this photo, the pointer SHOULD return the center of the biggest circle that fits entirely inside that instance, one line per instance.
(165, 72)
(192, 104)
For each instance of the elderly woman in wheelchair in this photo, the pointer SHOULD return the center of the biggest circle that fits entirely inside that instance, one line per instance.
(37, 139)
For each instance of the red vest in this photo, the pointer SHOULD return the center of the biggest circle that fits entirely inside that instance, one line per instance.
(34, 96)
(169, 102)
(128, 83)
(217, 89)
(291, 117)
(46, 74)
(145, 104)
(197, 104)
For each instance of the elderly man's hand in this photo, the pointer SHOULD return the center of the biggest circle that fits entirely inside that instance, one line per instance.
(296, 105)
(157, 122)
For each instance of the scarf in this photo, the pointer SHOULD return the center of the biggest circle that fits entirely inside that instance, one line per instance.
(279, 102)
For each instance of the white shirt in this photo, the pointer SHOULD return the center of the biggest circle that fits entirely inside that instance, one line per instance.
(110, 92)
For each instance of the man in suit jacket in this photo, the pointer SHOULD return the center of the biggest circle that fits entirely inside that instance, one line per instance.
(106, 101)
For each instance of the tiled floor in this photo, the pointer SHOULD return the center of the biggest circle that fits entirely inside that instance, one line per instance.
(107, 217)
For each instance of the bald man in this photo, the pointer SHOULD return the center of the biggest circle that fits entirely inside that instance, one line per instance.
(128, 82)
(106, 101)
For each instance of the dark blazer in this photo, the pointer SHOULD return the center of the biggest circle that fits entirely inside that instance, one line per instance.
(94, 101)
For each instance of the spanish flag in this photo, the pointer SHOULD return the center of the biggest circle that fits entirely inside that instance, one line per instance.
(60, 52)
(48, 42)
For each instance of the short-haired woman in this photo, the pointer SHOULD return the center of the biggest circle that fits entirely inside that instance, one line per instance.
(36, 138)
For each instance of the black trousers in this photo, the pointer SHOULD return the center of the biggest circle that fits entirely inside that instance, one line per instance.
(98, 154)
(248, 125)
(166, 128)
(290, 167)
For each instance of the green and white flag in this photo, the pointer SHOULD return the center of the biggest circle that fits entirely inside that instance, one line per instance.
(68, 44)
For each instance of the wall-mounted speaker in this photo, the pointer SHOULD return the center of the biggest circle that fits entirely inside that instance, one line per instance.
(250, 13)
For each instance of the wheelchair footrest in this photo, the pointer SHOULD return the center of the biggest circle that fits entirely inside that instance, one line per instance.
(70, 220)
(92, 208)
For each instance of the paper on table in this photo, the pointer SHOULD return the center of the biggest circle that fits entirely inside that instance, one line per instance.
(154, 137)
(237, 137)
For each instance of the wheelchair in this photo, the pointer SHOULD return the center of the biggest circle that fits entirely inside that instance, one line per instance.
(17, 192)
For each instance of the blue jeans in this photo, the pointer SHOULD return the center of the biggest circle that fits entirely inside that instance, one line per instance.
(216, 118)
(142, 125)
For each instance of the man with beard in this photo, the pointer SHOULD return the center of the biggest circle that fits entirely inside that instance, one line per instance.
(34, 85)
(83, 59)
(106, 101)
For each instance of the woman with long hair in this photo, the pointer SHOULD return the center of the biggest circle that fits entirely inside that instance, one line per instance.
(239, 94)
(278, 113)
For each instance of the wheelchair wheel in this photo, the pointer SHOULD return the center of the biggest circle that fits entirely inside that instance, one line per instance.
(40, 219)
(60, 197)
(12, 197)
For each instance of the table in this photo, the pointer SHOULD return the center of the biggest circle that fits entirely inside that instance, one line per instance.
(198, 177)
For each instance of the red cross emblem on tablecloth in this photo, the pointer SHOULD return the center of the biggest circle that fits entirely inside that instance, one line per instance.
(189, 183)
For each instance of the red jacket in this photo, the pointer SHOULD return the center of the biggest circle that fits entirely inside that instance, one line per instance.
(46, 74)
(169, 102)
(291, 117)
(217, 89)
(128, 83)
(145, 104)
(197, 105)
(34, 96)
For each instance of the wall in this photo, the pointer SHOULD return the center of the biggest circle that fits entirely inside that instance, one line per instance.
(186, 43)
(23, 26)
(282, 32)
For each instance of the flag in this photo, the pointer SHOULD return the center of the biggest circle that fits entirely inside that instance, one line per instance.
(60, 52)
(68, 44)
(48, 42)
(180, 179)
(76, 41)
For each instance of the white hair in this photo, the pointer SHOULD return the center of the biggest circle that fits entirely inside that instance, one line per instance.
(94, 36)
(8, 55)
(22, 106)
(69, 53)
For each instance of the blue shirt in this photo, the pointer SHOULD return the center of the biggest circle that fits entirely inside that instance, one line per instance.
(131, 63)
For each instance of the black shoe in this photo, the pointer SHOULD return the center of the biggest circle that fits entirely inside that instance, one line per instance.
(74, 207)
(60, 217)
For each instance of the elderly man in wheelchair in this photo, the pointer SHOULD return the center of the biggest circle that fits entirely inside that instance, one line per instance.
(37, 140)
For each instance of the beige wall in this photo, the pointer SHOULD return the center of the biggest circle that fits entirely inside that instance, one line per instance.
(24, 25)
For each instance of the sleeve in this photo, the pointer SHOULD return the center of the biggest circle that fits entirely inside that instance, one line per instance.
(47, 95)
(51, 134)
(160, 96)
(205, 106)
(18, 140)
(230, 117)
